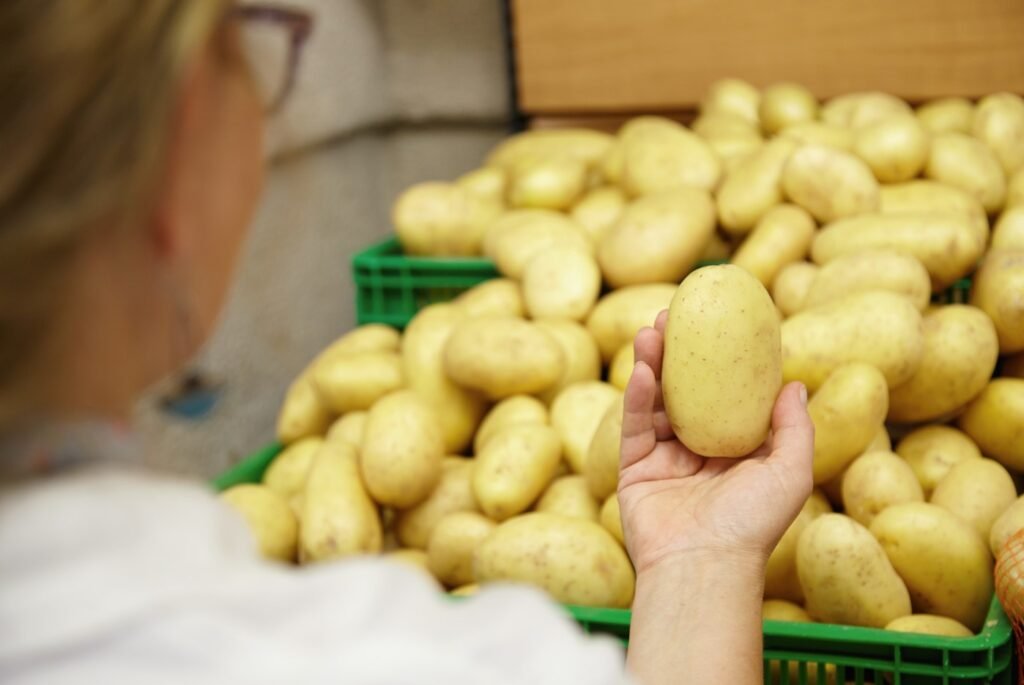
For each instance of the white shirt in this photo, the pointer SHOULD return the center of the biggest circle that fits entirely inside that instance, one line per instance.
(117, 576)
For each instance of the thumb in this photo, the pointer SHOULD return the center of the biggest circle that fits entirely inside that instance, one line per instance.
(792, 431)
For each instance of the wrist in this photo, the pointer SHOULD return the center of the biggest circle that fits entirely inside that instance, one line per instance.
(745, 564)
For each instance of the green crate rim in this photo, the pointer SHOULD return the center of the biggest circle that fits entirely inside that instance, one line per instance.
(876, 650)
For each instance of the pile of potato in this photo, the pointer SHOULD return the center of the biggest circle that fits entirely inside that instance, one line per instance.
(482, 443)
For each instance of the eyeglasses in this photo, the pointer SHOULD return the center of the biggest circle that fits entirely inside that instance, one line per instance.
(274, 37)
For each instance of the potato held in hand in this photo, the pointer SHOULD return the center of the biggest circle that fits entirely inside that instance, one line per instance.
(575, 561)
(722, 362)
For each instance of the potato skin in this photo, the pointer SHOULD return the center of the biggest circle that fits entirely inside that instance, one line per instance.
(944, 562)
(978, 491)
(576, 413)
(454, 492)
(496, 297)
(601, 467)
(611, 518)
(997, 289)
(575, 561)
(999, 123)
(929, 624)
(569, 496)
(860, 109)
(268, 517)
(792, 286)
(875, 481)
(514, 467)
(923, 195)
(1008, 233)
(995, 421)
(722, 364)
(933, 450)
(895, 148)
(753, 187)
(517, 409)
(829, 183)
(965, 162)
(303, 413)
(618, 315)
(846, 575)
(286, 475)
(781, 581)
(947, 114)
(354, 382)
(663, 155)
(960, 352)
(784, 104)
(878, 328)
(856, 272)
(1004, 527)
(781, 237)
(781, 610)
(452, 545)
(582, 358)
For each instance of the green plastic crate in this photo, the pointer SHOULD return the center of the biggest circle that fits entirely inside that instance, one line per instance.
(859, 655)
(391, 287)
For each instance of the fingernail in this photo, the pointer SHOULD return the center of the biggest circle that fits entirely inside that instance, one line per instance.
(803, 395)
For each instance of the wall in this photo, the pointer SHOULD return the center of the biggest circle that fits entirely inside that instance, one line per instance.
(389, 93)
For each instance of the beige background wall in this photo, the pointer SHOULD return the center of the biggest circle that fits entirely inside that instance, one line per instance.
(390, 92)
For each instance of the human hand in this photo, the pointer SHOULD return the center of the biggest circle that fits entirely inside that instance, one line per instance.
(675, 503)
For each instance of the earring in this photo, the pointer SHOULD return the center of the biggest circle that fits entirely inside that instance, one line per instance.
(193, 393)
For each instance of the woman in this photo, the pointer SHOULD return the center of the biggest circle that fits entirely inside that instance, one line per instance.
(132, 141)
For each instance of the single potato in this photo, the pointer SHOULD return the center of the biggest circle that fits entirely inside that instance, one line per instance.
(402, 450)
(354, 382)
(348, 428)
(833, 488)
(514, 467)
(303, 413)
(575, 561)
(441, 219)
(587, 145)
(857, 110)
(667, 157)
(569, 496)
(1008, 524)
(658, 238)
(960, 351)
(561, 283)
(846, 575)
(876, 481)
(338, 517)
(781, 581)
(496, 297)
(601, 466)
(781, 237)
(621, 367)
(999, 123)
(548, 182)
(576, 413)
(829, 183)
(785, 104)
(978, 491)
(923, 195)
(722, 367)
(966, 162)
(792, 285)
(753, 187)
(943, 560)
(286, 475)
(453, 542)
(932, 451)
(996, 290)
(895, 148)
(947, 115)
(781, 610)
(517, 236)
(858, 272)
(268, 517)
(1015, 189)
(611, 518)
(995, 421)
(733, 96)
(878, 328)
(487, 183)
(1008, 233)
(454, 492)
(847, 412)
(820, 133)
(620, 314)
(598, 210)
(929, 624)
(582, 358)
(511, 411)
(502, 356)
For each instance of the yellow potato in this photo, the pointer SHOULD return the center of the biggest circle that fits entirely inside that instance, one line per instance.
(829, 183)
(965, 162)
(880, 269)
(846, 575)
(820, 133)
(947, 114)
(402, 450)
(621, 367)
(932, 451)
(995, 421)
(303, 413)
(601, 467)
(502, 356)
(792, 285)
(978, 491)
(582, 358)
(459, 410)
(584, 144)
(1006, 526)
(441, 219)
(996, 290)
(667, 158)
(781, 237)
(753, 187)
(1008, 233)
(717, 250)
(945, 243)
(876, 481)
(569, 496)
(562, 282)
(554, 182)
(658, 238)
(354, 382)
(895, 148)
(497, 297)
(781, 610)
(511, 411)
(833, 488)
(611, 518)
(876, 327)
(960, 351)
(268, 517)
(598, 210)
(348, 428)
(999, 122)
(929, 624)
(488, 183)
(925, 196)
(514, 467)
(286, 475)
(857, 110)
(467, 590)
(722, 362)
(847, 412)
(732, 96)
(785, 104)
(943, 560)
(722, 125)
(454, 492)
(620, 314)
(576, 413)
(371, 337)
(734, 150)
(453, 542)
(338, 517)
(575, 561)
(780, 578)
(1015, 189)
(516, 235)
(411, 558)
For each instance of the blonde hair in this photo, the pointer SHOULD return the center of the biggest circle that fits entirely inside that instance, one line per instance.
(86, 88)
